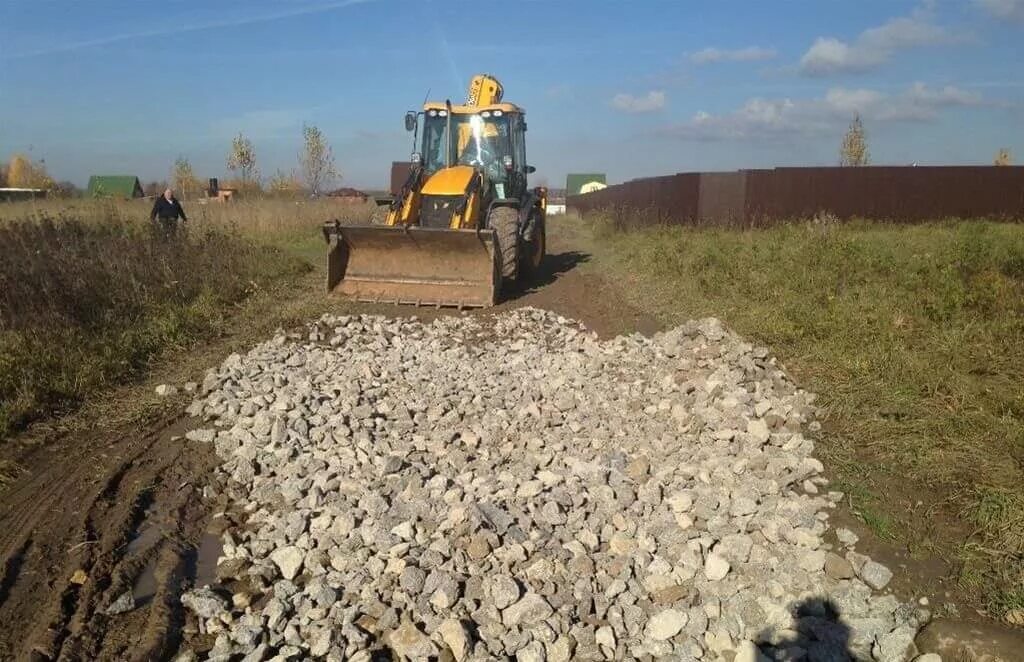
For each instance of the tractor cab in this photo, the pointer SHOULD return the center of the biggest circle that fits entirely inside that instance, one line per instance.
(464, 225)
(488, 139)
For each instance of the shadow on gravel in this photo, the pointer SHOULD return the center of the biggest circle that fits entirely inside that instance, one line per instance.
(816, 634)
(551, 269)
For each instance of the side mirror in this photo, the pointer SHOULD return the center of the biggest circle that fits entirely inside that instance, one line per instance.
(410, 121)
(530, 170)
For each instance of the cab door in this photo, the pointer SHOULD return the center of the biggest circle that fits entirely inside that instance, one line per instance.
(518, 126)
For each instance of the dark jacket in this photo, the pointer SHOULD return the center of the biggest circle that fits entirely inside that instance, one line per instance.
(167, 210)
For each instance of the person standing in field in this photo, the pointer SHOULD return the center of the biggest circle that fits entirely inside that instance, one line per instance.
(166, 212)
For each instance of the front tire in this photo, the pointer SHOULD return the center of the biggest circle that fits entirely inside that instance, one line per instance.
(504, 221)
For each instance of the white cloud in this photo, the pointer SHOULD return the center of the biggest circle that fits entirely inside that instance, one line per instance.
(1012, 10)
(651, 102)
(761, 118)
(748, 54)
(875, 46)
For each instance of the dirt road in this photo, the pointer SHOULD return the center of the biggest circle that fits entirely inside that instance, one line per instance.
(97, 513)
(101, 511)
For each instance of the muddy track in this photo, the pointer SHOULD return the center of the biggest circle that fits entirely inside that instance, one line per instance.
(100, 513)
(65, 530)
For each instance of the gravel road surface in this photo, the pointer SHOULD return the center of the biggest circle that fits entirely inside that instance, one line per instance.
(513, 487)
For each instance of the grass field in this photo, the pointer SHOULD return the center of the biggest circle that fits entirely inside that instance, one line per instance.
(88, 295)
(914, 338)
(912, 335)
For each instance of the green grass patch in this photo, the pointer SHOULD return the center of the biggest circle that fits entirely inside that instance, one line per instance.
(85, 304)
(912, 335)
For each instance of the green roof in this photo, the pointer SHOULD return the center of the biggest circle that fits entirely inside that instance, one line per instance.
(575, 181)
(116, 186)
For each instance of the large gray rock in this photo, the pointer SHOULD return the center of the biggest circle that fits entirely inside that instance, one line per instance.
(502, 590)
(204, 602)
(666, 624)
(454, 635)
(875, 575)
(530, 610)
(288, 560)
(409, 643)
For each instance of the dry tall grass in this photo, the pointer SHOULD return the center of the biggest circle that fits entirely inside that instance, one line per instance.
(265, 219)
(88, 293)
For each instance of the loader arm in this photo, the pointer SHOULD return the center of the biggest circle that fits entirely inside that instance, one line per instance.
(405, 208)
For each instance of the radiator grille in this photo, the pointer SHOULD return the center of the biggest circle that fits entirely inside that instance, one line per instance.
(436, 210)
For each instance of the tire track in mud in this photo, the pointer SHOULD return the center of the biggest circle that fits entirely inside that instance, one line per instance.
(77, 511)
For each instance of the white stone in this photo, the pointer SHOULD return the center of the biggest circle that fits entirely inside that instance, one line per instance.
(288, 560)
(716, 567)
(666, 624)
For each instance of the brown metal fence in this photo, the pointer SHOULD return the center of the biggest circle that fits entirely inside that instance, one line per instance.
(757, 198)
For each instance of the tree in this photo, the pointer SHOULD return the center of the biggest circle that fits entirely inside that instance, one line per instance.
(154, 188)
(243, 159)
(316, 159)
(284, 183)
(1003, 158)
(854, 151)
(66, 189)
(22, 172)
(183, 179)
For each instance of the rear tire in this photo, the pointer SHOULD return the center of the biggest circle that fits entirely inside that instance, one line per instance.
(533, 252)
(505, 223)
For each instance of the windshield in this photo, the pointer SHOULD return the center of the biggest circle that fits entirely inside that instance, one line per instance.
(477, 141)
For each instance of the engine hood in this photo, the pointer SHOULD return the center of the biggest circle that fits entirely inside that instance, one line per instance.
(449, 181)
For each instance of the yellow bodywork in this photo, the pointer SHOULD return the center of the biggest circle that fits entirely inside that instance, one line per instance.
(411, 262)
(449, 181)
(484, 89)
(472, 110)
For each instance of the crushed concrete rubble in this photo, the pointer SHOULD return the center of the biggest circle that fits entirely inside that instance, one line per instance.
(512, 487)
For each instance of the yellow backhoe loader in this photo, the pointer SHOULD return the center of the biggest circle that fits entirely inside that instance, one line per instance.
(465, 223)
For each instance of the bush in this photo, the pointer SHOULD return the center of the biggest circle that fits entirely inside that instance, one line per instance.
(86, 304)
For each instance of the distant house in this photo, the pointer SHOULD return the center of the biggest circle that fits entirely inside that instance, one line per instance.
(578, 183)
(15, 194)
(348, 195)
(115, 186)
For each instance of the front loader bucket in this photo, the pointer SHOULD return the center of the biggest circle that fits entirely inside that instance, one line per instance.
(412, 265)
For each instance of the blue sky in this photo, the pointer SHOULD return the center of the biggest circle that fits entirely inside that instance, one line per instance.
(629, 88)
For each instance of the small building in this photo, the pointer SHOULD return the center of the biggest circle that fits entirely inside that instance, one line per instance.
(578, 183)
(115, 186)
(399, 175)
(348, 196)
(16, 194)
(556, 201)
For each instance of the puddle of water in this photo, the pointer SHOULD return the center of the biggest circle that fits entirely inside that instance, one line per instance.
(210, 549)
(144, 587)
(148, 535)
(202, 566)
(145, 538)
